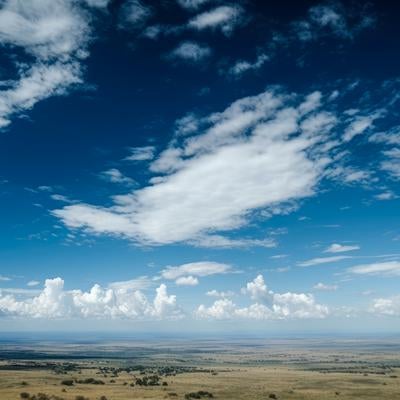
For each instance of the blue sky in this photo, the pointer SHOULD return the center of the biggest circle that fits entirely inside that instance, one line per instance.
(199, 165)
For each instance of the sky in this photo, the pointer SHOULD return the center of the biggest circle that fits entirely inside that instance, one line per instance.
(199, 166)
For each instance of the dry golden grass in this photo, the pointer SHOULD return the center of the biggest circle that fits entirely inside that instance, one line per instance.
(287, 382)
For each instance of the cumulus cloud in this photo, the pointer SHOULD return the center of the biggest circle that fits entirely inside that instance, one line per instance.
(389, 268)
(322, 260)
(386, 306)
(225, 18)
(54, 302)
(187, 281)
(268, 305)
(4, 278)
(56, 34)
(258, 291)
(340, 248)
(190, 52)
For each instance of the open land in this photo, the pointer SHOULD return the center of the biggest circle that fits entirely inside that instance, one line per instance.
(297, 369)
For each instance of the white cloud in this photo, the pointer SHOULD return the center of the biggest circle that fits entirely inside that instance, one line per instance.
(253, 152)
(97, 3)
(323, 287)
(45, 28)
(386, 306)
(61, 197)
(216, 293)
(187, 281)
(33, 283)
(390, 268)
(258, 157)
(340, 248)
(141, 153)
(388, 195)
(115, 302)
(241, 67)
(278, 256)
(268, 305)
(392, 163)
(191, 52)
(192, 4)
(199, 269)
(116, 176)
(322, 260)
(140, 283)
(358, 126)
(332, 18)
(56, 33)
(4, 278)
(221, 309)
(218, 241)
(133, 14)
(258, 291)
(226, 18)
(35, 84)
(346, 175)
(391, 137)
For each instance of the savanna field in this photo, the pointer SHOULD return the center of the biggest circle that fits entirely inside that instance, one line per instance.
(239, 370)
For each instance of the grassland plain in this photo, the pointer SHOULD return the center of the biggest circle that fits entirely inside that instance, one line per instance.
(242, 369)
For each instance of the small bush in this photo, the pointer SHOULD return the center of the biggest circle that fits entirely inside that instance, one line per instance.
(24, 395)
(199, 395)
(67, 382)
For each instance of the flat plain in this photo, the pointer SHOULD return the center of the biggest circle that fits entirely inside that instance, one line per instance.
(309, 369)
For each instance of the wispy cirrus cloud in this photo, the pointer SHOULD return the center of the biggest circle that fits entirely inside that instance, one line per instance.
(188, 274)
(388, 268)
(114, 175)
(322, 260)
(340, 248)
(144, 153)
(325, 287)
